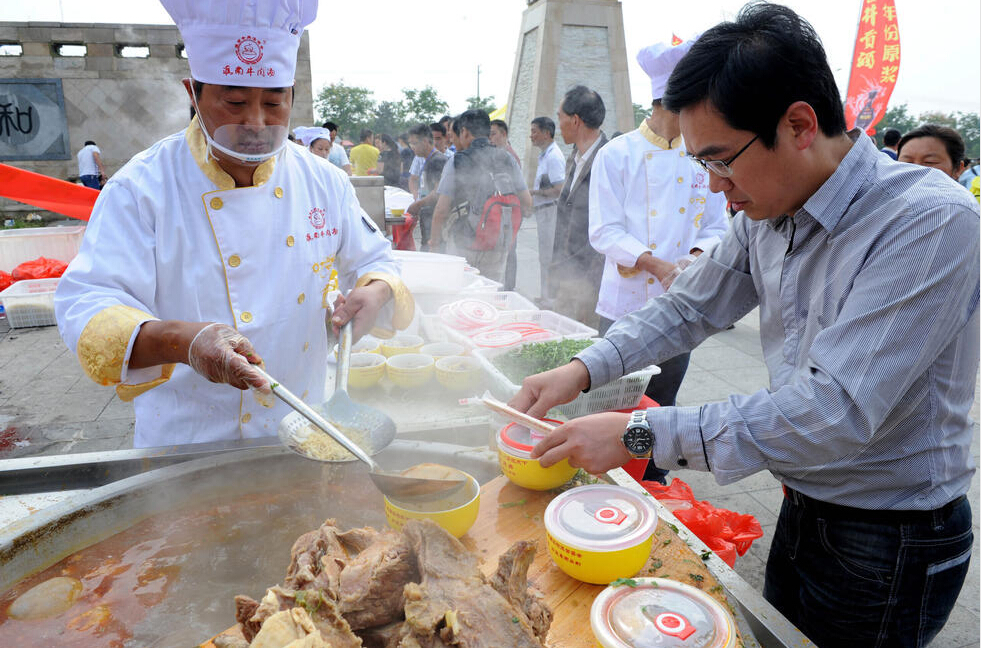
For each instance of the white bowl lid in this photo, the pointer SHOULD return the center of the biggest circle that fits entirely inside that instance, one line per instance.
(600, 517)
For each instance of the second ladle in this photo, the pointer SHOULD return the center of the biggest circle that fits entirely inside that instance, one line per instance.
(393, 485)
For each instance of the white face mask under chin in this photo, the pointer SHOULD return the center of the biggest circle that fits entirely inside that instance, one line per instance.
(243, 144)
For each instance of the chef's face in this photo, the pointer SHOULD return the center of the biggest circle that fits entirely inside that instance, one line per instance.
(930, 152)
(249, 111)
(320, 147)
(763, 180)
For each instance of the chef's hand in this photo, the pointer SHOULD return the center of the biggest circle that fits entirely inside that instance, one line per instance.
(361, 304)
(593, 443)
(686, 261)
(542, 392)
(223, 355)
(669, 278)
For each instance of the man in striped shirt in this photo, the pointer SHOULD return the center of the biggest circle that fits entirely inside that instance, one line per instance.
(866, 274)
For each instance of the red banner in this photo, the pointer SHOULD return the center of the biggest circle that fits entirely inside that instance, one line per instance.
(45, 192)
(875, 65)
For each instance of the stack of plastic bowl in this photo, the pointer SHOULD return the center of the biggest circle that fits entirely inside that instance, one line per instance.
(400, 344)
(366, 369)
(409, 370)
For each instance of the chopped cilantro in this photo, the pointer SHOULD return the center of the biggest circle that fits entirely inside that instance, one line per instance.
(705, 555)
(629, 582)
(666, 542)
(514, 619)
(672, 527)
(656, 564)
(698, 578)
(537, 357)
(520, 502)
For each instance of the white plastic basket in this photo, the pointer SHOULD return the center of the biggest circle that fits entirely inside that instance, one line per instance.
(30, 303)
(619, 394)
(429, 302)
(560, 325)
(20, 245)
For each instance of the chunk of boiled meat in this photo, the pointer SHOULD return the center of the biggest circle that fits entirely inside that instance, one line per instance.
(370, 585)
(511, 581)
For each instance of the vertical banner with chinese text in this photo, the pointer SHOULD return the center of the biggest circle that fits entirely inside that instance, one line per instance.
(875, 65)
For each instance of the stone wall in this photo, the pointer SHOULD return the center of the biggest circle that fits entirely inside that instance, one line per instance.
(123, 104)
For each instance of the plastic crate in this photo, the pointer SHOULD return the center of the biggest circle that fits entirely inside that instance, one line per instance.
(30, 303)
(20, 245)
(429, 302)
(619, 394)
(560, 325)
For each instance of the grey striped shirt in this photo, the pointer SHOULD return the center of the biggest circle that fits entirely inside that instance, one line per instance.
(868, 303)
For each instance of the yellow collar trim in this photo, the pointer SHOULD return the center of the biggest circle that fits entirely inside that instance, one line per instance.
(656, 139)
(209, 166)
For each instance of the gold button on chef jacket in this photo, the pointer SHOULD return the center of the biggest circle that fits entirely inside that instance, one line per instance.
(173, 238)
(637, 176)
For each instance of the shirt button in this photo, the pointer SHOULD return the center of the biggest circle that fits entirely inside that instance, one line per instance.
(246, 417)
(234, 260)
(681, 154)
(650, 155)
(278, 192)
(682, 210)
(680, 179)
(653, 212)
(246, 317)
(290, 241)
(303, 396)
(299, 300)
(651, 280)
(653, 246)
(306, 345)
(216, 203)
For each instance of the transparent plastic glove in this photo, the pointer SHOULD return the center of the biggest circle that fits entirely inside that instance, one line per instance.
(670, 277)
(223, 355)
(685, 261)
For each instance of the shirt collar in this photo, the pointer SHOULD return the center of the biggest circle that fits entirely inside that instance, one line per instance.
(198, 145)
(830, 202)
(585, 156)
(545, 151)
(656, 139)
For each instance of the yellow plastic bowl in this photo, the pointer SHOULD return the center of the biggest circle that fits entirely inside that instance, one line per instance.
(518, 467)
(442, 349)
(456, 514)
(367, 344)
(401, 343)
(397, 212)
(598, 567)
(366, 369)
(410, 370)
(458, 372)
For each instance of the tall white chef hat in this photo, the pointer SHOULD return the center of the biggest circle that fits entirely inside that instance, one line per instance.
(242, 42)
(307, 135)
(659, 61)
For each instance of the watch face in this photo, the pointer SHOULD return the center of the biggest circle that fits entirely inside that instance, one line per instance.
(638, 440)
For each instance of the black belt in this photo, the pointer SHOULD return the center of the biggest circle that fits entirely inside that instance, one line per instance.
(841, 512)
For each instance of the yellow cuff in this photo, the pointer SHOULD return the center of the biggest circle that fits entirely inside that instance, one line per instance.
(102, 349)
(404, 304)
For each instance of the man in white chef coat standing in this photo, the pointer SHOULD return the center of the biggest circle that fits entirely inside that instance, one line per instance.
(215, 249)
(651, 213)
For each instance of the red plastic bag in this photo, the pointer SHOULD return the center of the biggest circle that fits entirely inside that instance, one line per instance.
(40, 268)
(402, 234)
(726, 532)
(5, 280)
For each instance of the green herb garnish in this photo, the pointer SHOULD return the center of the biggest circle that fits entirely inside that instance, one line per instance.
(629, 582)
(698, 578)
(514, 619)
(529, 359)
(705, 555)
(666, 542)
(520, 502)
(655, 564)
(672, 527)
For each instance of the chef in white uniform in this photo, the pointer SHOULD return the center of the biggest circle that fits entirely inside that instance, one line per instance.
(650, 212)
(213, 250)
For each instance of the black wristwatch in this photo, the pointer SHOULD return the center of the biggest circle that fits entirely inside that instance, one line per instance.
(638, 439)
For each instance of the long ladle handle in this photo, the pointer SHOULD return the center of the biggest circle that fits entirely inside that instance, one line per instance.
(308, 412)
(344, 341)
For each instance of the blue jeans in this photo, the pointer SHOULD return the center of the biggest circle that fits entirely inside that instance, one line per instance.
(91, 181)
(849, 582)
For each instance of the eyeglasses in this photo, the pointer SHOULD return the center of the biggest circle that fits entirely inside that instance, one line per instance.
(721, 168)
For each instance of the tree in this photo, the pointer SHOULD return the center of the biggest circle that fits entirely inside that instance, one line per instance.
(389, 118)
(486, 104)
(350, 107)
(897, 117)
(967, 124)
(640, 114)
(422, 106)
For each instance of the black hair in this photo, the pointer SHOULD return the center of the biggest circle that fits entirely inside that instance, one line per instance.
(500, 123)
(329, 125)
(585, 103)
(366, 133)
(445, 118)
(891, 137)
(389, 141)
(474, 120)
(404, 138)
(951, 139)
(753, 69)
(544, 124)
(89, 143)
(423, 132)
(439, 128)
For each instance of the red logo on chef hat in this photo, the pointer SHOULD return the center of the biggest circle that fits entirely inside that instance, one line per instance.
(317, 217)
(248, 50)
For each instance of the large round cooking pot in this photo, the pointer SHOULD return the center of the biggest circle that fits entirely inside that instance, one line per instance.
(198, 533)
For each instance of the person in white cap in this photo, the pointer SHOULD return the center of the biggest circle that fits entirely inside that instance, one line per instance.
(651, 213)
(215, 249)
(315, 138)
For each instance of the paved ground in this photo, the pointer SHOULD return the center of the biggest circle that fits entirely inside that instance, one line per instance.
(47, 406)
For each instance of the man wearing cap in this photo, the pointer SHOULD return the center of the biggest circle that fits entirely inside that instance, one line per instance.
(651, 213)
(213, 250)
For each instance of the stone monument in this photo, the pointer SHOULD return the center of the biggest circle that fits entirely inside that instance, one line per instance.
(564, 43)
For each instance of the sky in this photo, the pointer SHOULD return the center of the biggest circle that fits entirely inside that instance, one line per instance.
(389, 45)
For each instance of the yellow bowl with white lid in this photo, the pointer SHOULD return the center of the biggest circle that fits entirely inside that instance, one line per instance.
(599, 533)
(514, 445)
(660, 612)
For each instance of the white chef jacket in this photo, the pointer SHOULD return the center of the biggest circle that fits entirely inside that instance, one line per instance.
(645, 195)
(165, 241)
